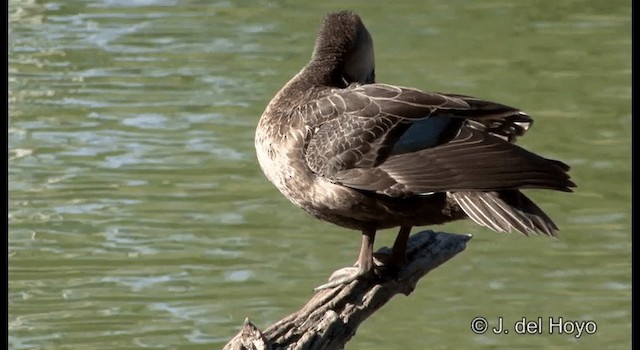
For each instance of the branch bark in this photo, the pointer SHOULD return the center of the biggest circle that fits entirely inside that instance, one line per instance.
(331, 317)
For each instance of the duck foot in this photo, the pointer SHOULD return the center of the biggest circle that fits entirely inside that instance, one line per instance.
(343, 276)
(380, 265)
(385, 264)
(347, 275)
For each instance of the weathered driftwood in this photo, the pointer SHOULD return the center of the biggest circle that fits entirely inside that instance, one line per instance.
(331, 317)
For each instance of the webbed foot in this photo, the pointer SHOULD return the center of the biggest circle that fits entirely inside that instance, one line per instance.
(345, 275)
(385, 264)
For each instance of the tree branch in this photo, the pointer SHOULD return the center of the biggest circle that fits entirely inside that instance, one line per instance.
(331, 317)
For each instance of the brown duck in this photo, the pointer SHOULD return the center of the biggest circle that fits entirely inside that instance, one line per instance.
(370, 156)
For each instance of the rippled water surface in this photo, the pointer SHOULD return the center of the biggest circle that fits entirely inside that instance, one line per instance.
(138, 216)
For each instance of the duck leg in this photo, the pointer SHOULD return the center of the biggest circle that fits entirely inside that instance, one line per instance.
(393, 261)
(365, 264)
(399, 251)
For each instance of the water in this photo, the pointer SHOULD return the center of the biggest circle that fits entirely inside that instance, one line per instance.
(138, 216)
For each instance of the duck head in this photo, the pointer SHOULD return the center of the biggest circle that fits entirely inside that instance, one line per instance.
(344, 50)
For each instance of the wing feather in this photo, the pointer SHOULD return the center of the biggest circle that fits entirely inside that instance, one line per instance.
(400, 141)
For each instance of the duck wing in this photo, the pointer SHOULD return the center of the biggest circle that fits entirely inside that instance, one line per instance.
(400, 141)
(358, 127)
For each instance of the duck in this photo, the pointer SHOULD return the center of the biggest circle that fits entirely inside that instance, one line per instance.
(368, 156)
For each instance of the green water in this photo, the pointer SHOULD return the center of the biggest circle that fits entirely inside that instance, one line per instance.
(138, 216)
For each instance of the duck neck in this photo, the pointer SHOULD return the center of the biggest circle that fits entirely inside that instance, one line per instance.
(316, 74)
(324, 72)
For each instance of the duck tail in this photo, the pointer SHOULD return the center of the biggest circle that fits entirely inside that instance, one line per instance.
(504, 211)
